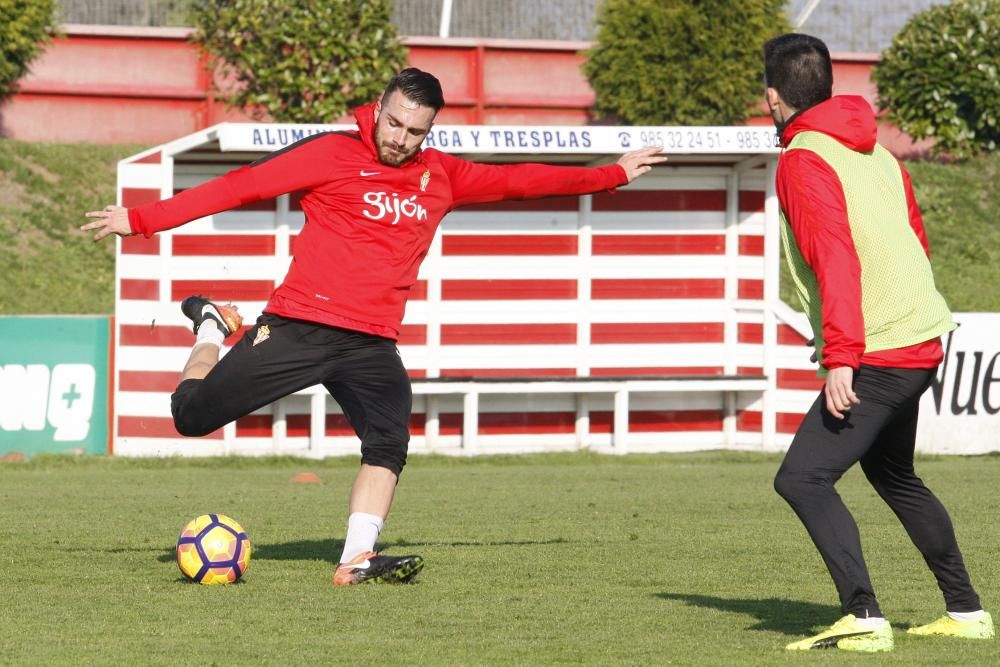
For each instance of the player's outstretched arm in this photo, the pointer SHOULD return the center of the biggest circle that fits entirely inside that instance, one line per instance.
(111, 220)
(301, 166)
(474, 182)
(637, 163)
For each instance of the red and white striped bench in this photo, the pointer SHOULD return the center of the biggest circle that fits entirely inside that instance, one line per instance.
(471, 388)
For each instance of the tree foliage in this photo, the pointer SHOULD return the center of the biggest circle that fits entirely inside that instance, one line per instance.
(940, 79)
(300, 60)
(681, 62)
(25, 26)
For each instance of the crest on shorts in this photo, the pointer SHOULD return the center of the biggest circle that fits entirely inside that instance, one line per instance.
(425, 178)
(263, 333)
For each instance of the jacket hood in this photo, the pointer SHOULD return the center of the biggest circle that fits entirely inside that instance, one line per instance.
(365, 117)
(847, 118)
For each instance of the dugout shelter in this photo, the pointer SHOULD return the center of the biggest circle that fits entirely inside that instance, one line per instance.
(647, 319)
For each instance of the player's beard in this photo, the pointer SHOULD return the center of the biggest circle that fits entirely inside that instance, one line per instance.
(389, 154)
(392, 157)
(779, 123)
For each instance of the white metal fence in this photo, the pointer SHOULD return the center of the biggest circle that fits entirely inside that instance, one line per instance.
(514, 19)
(846, 25)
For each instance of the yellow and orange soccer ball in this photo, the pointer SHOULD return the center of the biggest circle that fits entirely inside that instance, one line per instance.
(213, 549)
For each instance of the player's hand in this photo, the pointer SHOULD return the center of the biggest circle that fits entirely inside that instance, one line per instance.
(112, 220)
(637, 163)
(839, 391)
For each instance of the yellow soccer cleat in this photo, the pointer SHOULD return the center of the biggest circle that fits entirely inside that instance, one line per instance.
(849, 634)
(946, 626)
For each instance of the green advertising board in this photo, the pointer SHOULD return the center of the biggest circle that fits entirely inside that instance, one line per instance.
(54, 387)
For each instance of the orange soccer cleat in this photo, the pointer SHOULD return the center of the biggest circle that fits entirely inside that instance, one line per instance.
(370, 566)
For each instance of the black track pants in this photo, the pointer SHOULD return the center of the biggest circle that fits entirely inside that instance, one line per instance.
(363, 373)
(880, 433)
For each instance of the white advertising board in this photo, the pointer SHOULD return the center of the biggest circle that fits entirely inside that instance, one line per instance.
(521, 140)
(960, 412)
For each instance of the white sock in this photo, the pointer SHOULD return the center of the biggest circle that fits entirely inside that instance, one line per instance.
(362, 531)
(872, 622)
(209, 332)
(966, 616)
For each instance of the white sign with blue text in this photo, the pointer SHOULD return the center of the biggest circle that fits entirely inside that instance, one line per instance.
(543, 139)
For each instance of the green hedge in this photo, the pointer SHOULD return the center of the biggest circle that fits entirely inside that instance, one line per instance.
(24, 29)
(940, 79)
(300, 61)
(676, 62)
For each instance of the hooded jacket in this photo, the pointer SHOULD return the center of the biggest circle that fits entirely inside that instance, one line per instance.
(368, 225)
(813, 202)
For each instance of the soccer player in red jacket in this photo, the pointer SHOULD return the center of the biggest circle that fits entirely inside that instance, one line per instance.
(859, 259)
(373, 201)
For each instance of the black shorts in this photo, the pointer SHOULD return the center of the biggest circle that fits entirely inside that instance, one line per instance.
(280, 356)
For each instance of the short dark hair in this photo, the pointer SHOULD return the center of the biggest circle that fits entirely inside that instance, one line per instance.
(418, 86)
(799, 67)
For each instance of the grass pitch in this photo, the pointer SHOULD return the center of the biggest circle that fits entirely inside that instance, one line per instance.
(556, 559)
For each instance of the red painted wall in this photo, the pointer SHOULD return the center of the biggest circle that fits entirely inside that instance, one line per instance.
(106, 84)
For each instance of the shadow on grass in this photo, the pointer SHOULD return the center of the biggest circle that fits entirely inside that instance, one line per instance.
(773, 615)
(505, 543)
(184, 581)
(323, 550)
(329, 550)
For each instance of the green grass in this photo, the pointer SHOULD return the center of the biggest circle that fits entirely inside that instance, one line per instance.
(557, 559)
(51, 267)
(961, 208)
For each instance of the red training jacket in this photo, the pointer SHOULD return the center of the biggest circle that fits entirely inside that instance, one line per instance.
(368, 225)
(813, 201)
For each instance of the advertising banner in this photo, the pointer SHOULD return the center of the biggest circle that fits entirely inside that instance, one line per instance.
(54, 384)
(960, 412)
(739, 140)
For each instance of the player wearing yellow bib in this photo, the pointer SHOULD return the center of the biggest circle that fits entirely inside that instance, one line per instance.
(858, 255)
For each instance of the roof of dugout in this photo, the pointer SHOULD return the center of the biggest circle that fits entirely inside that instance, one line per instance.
(243, 142)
